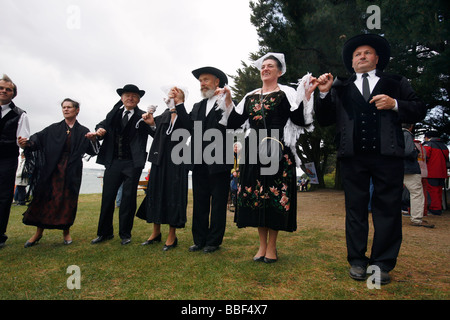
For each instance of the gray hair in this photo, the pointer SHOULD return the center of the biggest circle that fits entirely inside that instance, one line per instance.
(8, 79)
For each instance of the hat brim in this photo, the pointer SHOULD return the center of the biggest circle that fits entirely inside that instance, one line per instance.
(130, 88)
(214, 71)
(380, 44)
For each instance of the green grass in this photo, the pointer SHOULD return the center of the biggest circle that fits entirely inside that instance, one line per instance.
(312, 264)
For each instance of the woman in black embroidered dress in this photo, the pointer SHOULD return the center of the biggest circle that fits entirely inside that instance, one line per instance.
(57, 153)
(167, 195)
(269, 201)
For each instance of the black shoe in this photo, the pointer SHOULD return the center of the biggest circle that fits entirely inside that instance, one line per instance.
(30, 244)
(125, 241)
(268, 260)
(385, 278)
(3, 239)
(147, 242)
(101, 239)
(381, 277)
(358, 273)
(195, 247)
(173, 245)
(422, 223)
(259, 259)
(67, 242)
(209, 249)
(435, 212)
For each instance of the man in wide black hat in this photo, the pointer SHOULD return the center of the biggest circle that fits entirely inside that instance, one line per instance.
(210, 181)
(368, 109)
(123, 153)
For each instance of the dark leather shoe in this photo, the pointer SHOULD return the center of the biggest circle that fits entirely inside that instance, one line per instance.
(171, 246)
(358, 273)
(32, 243)
(3, 239)
(259, 259)
(125, 241)
(101, 239)
(423, 223)
(157, 239)
(268, 260)
(209, 249)
(384, 277)
(195, 247)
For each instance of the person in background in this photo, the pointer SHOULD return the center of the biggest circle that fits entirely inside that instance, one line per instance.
(21, 182)
(13, 125)
(412, 179)
(437, 156)
(422, 159)
(234, 179)
(57, 152)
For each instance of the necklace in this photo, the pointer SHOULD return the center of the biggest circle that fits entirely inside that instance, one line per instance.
(262, 100)
(68, 128)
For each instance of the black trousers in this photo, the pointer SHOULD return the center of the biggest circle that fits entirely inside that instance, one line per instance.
(387, 177)
(8, 169)
(210, 193)
(120, 171)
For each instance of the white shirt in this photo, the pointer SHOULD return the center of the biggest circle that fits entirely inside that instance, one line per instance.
(373, 80)
(130, 114)
(210, 104)
(23, 127)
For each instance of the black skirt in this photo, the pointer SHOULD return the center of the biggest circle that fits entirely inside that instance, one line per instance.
(54, 204)
(167, 195)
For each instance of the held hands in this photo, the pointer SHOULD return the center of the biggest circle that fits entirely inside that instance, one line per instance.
(148, 118)
(23, 142)
(324, 82)
(97, 134)
(227, 92)
(310, 87)
(177, 95)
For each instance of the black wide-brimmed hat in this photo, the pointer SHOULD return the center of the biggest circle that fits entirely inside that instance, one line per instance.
(130, 88)
(214, 71)
(379, 43)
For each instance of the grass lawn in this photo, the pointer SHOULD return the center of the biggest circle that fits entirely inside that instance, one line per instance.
(312, 261)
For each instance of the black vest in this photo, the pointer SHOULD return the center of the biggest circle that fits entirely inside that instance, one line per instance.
(122, 149)
(367, 133)
(8, 133)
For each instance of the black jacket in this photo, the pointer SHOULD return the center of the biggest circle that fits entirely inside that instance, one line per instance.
(211, 121)
(343, 104)
(138, 137)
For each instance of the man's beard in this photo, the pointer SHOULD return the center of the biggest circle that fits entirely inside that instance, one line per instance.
(208, 94)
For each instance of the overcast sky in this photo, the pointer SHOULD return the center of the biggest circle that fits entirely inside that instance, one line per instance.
(86, 49)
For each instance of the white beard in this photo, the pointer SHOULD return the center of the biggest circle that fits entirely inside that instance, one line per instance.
(208, 94)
